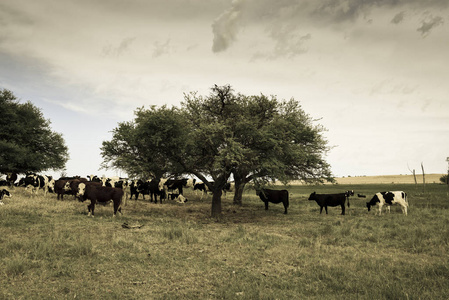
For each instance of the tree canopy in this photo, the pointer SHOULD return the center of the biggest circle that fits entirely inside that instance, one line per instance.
(211, 137)
(27, 143)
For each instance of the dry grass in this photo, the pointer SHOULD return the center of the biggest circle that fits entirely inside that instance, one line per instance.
(51, 250)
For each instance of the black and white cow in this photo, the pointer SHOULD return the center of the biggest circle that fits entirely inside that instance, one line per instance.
(4, 193)
(325, 200)
(102, 194)
(273, 196)
(134, 188)
(389, 199)
(152, 188)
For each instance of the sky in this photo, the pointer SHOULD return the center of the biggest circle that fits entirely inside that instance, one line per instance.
(374, 73)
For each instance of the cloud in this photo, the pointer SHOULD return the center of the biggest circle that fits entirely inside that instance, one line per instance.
(398, 18)
(110, 50)
(226, 26)
(161, 48)
(429, 23)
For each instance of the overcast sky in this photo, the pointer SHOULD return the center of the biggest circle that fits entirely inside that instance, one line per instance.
(375, 73)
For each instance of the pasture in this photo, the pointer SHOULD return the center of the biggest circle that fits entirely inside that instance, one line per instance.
(50, 249)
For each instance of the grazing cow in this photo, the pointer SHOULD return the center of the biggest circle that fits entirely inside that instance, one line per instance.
(325, 200)
(361, 196)
(389, 198)
(102, 194)
(4, 193)
(273, 196)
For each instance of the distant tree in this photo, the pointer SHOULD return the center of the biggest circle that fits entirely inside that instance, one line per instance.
(444, 179)
(218, 135)
(27, 144)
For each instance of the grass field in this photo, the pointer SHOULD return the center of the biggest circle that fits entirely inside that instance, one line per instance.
(50, 249)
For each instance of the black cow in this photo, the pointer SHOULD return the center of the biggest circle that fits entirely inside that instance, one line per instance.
(325, 200)
(273, 196)
(102, 194)
(11, 178)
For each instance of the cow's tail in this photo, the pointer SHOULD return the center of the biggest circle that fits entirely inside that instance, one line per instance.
(348, 202)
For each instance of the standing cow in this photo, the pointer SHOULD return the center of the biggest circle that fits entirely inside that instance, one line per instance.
(325, 200)
(102, 194)
(389, 199)
(273, 196)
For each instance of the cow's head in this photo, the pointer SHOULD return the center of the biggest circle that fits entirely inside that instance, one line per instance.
(312, 196)
(81, 191)
(67, 186)
(51, 185)
(349, 193)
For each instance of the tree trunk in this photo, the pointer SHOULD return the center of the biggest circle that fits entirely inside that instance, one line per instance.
(238, 193)
(216, 203)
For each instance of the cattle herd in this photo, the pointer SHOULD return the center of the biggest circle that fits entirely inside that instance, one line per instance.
(117, 190)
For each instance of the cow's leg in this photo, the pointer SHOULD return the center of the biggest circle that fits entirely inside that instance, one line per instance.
(266, 205)
(285, 207)
(321, 209)
(343, 209)
(325, 207)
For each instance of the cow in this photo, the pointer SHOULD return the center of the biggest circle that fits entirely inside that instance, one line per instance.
(30, 182)
(102, 194)
(11, 178)
(389, 199)
(152, 188)
(325, 200)
(4, 193)
(178, 198)
(59, 188)
(134, 188)
(47, 183)
(273, 196)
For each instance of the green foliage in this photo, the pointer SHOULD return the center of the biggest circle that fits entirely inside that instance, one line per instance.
(27, 143)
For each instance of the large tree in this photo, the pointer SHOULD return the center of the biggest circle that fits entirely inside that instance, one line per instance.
(224, 133)
(27, 143)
